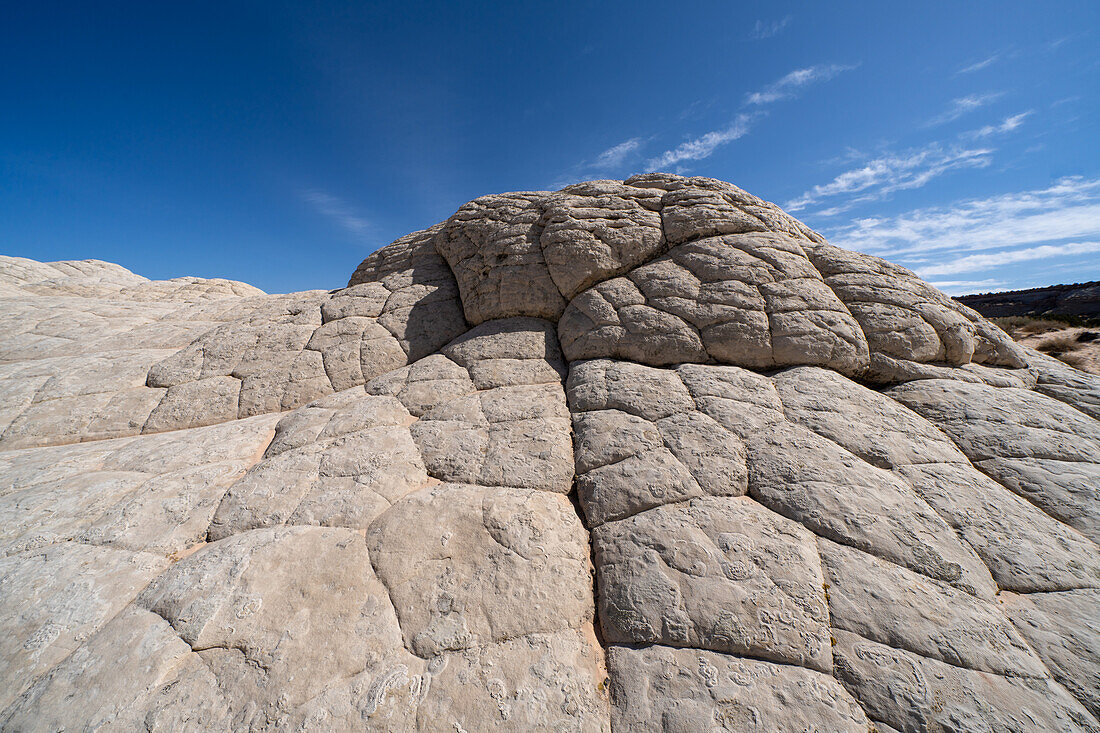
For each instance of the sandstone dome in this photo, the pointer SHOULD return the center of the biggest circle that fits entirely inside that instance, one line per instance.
(633, 455)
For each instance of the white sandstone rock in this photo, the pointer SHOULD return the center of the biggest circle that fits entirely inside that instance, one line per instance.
(633, 455)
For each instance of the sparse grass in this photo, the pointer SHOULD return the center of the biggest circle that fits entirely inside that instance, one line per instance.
(1030, 325)
(1065, 348)
(1017, 326)
(1077, 361)
(1060, 337)
(1043, 325)
(1011, 323)
(1058, 344)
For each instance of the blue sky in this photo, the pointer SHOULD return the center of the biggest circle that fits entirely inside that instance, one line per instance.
(279, 143)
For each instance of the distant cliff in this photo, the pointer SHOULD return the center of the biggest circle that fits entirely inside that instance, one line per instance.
(1081, 299)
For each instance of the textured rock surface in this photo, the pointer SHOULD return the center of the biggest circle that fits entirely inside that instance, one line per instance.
(633, 455)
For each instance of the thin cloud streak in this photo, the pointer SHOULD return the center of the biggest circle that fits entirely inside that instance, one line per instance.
(1060, 222)
(769, 29)
(610, 160)
(703, 146)
(337, 210)
(1009, 124)
(986, 62)
(786, 88)
(789, 85)
(978, 263)
(907, 170)
(895, 172)
(965, 287)
(1068, 209)
(616, 155)
(962, 105)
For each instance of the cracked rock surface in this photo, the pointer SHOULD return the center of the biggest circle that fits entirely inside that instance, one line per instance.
(633, 455)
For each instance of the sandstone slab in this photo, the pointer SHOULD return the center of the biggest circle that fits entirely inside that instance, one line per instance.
(719, 574)
(681, 689)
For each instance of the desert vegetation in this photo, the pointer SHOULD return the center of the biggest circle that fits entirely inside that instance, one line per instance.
(1074, 340)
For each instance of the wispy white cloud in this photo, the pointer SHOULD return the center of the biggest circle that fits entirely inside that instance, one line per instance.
(962, 105)
(616, 155)
(703, 146)
(979, 65)
(1067, 210)
(910, 169)
(337, 210)
(979, 263)
(832, 210)
(1008, 124)
(612, 161)
(696, 108)
(894, 172)
(768, 28)
(1065, 100)
(965, 287)
(789, 85)
(990, 237)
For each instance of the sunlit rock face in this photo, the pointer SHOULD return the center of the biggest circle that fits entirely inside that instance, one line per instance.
(633, 455)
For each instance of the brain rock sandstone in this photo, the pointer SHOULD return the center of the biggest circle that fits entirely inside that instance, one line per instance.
(634, 455)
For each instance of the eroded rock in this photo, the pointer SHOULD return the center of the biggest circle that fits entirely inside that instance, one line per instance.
(719, 574)
(468, 565)
(657, 688)
(634, 455)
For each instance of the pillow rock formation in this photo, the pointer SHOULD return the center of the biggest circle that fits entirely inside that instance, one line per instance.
(630, 456)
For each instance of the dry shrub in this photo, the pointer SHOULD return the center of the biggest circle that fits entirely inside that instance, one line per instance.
(1041, 325)
(1027, 326)
(1077, 361)
(1011, 323)
(1062, 343)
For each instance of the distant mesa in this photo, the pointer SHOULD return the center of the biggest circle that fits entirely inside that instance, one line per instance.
(1079, 299)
